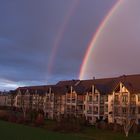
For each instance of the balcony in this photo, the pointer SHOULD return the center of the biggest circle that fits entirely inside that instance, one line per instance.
(117, 114)
(80, 101)
(101, 112)
(101, 102)
(116, 102)
(68, 111)
(68, 100)
(124, 103)
(89, 112)
(133, 103)
(89, 101)
(95, 112)
(124, 115)
(80, 111)
(73, 100)
(95, 102)
(106, 100)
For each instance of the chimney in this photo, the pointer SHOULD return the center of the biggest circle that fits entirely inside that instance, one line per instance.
(93, 77)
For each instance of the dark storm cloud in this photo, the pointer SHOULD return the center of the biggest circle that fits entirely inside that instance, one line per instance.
(28, 29)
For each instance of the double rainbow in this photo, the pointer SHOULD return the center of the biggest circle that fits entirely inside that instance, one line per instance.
(95, 38)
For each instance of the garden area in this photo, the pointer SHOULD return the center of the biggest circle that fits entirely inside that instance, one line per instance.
(15, 126)
(12, 131)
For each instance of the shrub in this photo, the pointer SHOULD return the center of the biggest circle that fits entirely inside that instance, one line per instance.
(134, 128)
(39, 120)
(117, 128)
(33, 115)
(20, 119)
(70, 124)
(4, 115)
(110, 126)
(103, 125)
(12, 118)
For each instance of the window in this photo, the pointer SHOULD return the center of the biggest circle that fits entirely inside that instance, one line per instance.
(96, 91)
(124, 98)
(95, 109)
(106, 108)
(133, 110)
(51, 98)
(80, 97)
(90, 98)
(96, 97)
(138, 97)
(73, 95)
(133, 98)
(89, 111)
(106, 98)
(124, 110)
(139, 110)
(102, 110)
(138, 121)
(89, 118)
(90, 108)
(101, 99)
(84, 107)
(123, 89)
(116, 97)
(116, 111)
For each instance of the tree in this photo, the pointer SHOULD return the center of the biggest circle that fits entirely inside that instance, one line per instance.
(129, 119)
(127, 124)
(23, 106)
(130, 114)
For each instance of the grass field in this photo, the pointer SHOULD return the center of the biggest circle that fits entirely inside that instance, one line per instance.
(10, 131)
(109, 135)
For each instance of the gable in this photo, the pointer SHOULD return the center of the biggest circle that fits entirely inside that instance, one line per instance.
(120, 88)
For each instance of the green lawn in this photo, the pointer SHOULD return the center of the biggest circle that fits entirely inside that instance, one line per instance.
(98, 134)
(10, 131)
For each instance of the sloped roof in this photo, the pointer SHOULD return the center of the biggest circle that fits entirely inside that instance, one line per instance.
(82, 86)
(131, 82)
(79, 89)
(104, 86)
(67, 83)
(22, 90)
(58, 89)
(34, 89)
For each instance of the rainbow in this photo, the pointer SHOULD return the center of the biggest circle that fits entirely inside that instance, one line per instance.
(60, 35)
(96, 37)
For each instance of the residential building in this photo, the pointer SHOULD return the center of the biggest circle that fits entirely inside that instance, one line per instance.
(109, 99)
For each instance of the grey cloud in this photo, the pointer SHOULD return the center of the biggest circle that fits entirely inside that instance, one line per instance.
(28, 30)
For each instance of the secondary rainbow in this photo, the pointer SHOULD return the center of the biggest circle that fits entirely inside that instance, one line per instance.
(60, 34)
(95, 38)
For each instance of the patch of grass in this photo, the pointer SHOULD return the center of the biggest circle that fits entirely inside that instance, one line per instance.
(98, 134)
(11, 131)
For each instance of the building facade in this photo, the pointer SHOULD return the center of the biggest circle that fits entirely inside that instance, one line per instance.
(111, 99)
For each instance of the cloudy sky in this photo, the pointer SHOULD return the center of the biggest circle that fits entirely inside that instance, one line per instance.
(43, 41)
(116, 50)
